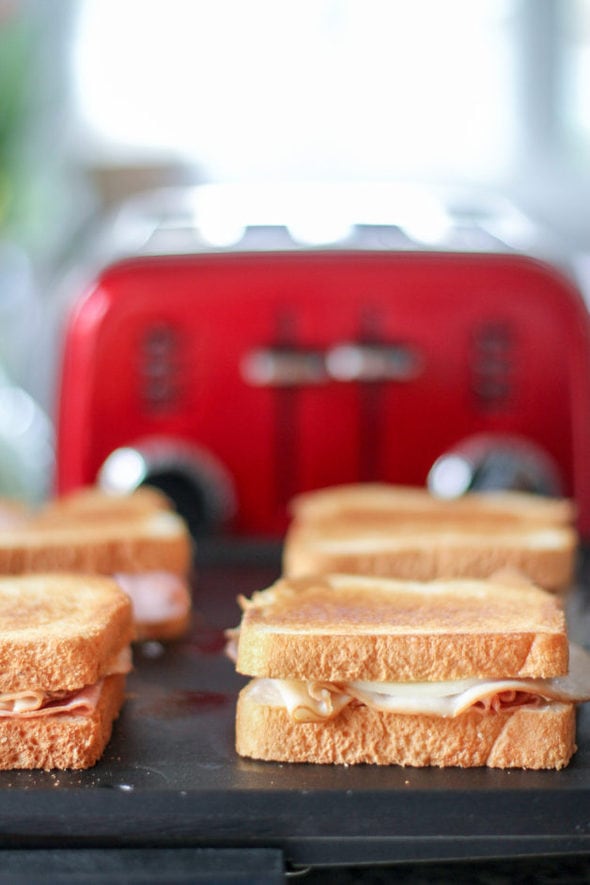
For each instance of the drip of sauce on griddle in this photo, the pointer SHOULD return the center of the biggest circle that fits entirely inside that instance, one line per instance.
(179, 704)
(206, 640)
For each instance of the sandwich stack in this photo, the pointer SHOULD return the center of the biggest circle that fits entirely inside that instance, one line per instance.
(403, 532)
(354, 669)
(136, 538)
(64, 654)
(414, 631)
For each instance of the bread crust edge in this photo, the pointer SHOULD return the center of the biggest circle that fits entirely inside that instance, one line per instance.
(63, 741)
(548, 568)
(532, 738)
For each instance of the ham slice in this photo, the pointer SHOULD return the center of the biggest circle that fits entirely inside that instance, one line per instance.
(156, 596)
(33, 704)
(11, 516)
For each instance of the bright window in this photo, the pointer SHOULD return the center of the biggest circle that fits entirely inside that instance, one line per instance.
(576, 83)
(301, 88)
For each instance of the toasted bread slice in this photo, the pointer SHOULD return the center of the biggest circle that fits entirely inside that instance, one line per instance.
(91, 502)
(63, 741)
(541, 737)
(381, 503)
(60, 631)
(157, 540)
(425, 551)
(347, 627)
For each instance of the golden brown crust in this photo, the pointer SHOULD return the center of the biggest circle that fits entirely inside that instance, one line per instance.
(60, 631)
(91, 502)
(399, 658)
(382, 503)
(65, 740)
(158, 540)
(525, 738)
(422, 552)
(345, 627)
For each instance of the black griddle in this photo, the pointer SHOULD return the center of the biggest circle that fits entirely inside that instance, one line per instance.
(170, 779)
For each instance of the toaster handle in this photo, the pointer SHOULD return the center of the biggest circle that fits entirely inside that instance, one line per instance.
(373, 362)
(283, 367)
(344, 362)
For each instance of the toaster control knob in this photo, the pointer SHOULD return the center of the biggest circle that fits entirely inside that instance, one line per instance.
(494, 463)
(196, 482)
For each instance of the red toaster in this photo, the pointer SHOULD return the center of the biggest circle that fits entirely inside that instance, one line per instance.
(237, 376)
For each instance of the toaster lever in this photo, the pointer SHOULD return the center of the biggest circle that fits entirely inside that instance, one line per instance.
(373, 362)
(290, 367)
(283, 367)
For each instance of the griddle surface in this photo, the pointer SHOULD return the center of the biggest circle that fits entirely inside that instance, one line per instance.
(170, 776)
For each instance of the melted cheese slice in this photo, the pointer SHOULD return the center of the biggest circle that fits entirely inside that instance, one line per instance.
(317, 701)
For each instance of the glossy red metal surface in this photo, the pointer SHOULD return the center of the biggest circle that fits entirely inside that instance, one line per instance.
(157, 349)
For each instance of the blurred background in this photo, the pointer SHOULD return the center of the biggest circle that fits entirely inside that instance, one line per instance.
(103, 99)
